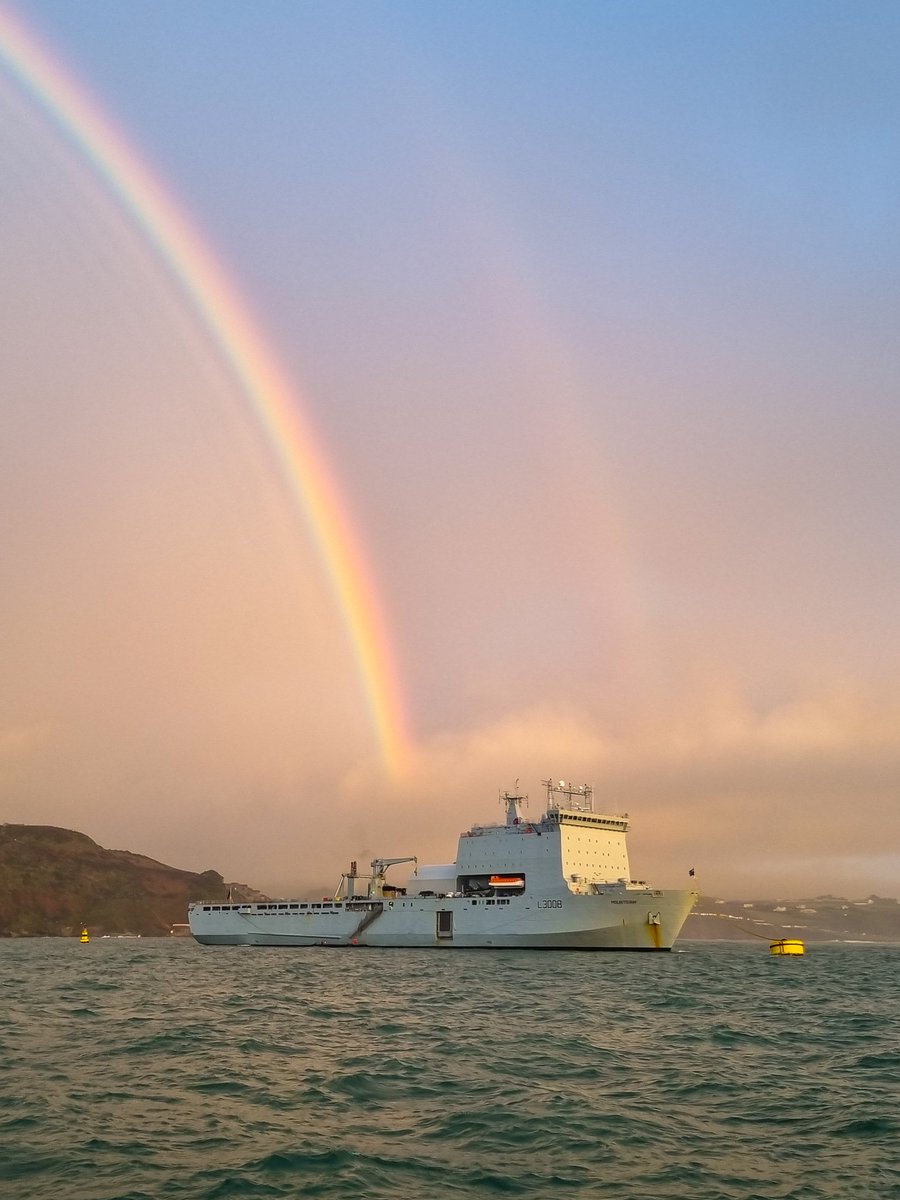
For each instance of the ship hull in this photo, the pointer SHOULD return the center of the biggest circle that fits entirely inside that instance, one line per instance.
(625, 919)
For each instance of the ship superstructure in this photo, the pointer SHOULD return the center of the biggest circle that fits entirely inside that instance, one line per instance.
(561, 881)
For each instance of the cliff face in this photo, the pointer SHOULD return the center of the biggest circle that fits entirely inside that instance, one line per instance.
(54, 881)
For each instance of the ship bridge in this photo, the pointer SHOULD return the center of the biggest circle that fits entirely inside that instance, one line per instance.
(592, 847)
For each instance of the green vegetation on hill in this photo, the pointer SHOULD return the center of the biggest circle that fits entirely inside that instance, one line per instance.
(55, 881)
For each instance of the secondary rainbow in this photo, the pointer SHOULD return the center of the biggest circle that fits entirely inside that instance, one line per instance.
(225, 317)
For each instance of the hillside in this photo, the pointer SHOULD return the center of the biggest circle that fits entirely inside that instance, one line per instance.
(824, 919)
(54, 881)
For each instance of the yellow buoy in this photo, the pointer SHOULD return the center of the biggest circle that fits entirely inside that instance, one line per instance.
(85, 936)
(787, 946)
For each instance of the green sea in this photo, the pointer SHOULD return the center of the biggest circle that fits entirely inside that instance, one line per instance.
(159, 1070)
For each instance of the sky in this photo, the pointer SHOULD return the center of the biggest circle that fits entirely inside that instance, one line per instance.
(587, 313)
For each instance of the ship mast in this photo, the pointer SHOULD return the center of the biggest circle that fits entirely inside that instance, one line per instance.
(512, 800)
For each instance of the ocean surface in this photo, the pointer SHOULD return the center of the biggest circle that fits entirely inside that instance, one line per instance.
(136, 1069)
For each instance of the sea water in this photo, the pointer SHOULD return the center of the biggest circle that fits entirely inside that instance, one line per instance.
(135, 1069)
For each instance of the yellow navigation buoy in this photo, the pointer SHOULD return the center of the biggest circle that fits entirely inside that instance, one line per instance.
(787, 946)
(85, 936)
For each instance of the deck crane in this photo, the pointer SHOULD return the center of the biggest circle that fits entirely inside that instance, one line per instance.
(379, 866)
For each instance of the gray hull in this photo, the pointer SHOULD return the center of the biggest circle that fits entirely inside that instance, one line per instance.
(631, 920)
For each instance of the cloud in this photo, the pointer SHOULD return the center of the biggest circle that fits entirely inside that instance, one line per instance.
(626, 532)
(754, 799)
(19, 743)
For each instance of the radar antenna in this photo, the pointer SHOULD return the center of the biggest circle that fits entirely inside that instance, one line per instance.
(578, 796)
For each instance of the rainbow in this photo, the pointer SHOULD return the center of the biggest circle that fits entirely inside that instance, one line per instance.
(225, 318)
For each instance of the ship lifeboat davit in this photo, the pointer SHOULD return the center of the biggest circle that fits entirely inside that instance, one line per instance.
(787, 946)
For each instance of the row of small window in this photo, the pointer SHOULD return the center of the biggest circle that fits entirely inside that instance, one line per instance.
(267, 907)
(587, 819)
(301, 907)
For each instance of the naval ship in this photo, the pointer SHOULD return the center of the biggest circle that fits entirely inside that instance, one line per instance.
(561, 882)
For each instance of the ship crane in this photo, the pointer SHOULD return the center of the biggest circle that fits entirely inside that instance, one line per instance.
(379, 866)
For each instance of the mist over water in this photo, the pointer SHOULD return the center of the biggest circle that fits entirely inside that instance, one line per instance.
(143, 1069)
